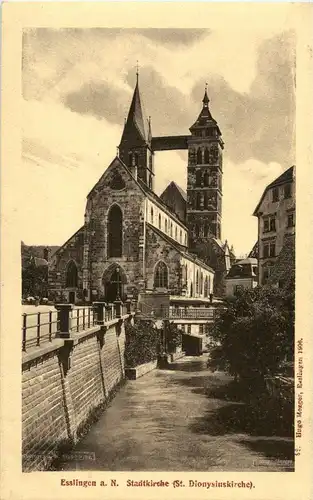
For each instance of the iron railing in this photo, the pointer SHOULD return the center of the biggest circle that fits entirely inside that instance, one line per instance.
(82, 318)
(38, 328)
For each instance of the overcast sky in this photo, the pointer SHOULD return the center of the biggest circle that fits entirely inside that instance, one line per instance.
(77, 87)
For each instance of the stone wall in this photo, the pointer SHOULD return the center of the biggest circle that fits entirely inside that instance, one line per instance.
(62, 383)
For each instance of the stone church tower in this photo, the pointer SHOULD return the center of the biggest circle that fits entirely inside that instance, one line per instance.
(135, 149)
(204, 178)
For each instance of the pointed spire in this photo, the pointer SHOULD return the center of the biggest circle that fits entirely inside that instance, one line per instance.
(136, 124)
(206, 99)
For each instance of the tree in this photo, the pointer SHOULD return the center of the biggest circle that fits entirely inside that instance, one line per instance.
(254, 334)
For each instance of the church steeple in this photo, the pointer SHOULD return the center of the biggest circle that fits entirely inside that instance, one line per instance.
(135, 145)
(204, 177)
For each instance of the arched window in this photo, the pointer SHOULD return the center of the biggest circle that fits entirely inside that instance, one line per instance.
(206, 179)
(180, 236)
(175, 232)
(206, 156)
(151, 215)
(159, 221)
(71, 275)
(115, 232)
(198, 178)
(161, 275)
(171, 229)
(198, 201)
(199, 156)
(201, 283)
(166, 225)
(197, 281)
(130, 159)
(185, 239)
(206, 291)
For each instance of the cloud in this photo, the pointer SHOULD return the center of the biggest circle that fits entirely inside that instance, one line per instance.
(77, 87)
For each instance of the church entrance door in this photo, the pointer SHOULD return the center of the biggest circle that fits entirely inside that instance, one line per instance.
(114, 280)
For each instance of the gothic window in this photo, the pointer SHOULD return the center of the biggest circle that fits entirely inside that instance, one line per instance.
(151, 215)
(115, 232)
(206, 179)
(175, 232)
(166, 225)
(199, 156)
(206, 156)
(198, 178)
(159, 221)
(130, 159)
(198, 202)
(117, 182)
(171, 229)
(205, 230)
(161, 275)
(71, 275)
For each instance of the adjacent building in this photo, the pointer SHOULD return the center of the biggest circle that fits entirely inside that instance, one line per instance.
(276, 230)
(242, 275)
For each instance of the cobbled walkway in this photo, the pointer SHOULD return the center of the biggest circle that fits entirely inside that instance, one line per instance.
(167, 421)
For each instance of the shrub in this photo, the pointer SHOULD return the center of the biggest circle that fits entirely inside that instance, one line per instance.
(143, 343)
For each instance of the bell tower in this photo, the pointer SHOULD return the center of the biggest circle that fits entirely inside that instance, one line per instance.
(135, 147)
(204, 178)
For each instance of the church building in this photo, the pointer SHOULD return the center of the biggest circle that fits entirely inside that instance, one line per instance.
(134, 241)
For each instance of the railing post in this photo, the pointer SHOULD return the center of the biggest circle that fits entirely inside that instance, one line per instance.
(64, 311)
(118, 306)
(24, 332)
(38, 329)
(128, 306)
(50, 326)
(99, 311)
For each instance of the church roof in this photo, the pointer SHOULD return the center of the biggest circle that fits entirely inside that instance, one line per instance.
(180, 248)
(180, 190)
(154, 197)
(205, 118)
(136, 119)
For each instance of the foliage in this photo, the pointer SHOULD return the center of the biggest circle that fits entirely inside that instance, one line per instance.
(143, 343)
(34, 280)
(254, 334)
(174, 337)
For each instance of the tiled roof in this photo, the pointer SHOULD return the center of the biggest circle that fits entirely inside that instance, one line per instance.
(154, 197)
(179, 248)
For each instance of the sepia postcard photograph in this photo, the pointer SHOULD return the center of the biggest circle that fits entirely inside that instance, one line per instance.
(156, 220)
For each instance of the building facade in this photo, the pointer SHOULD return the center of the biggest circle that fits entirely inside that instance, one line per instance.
(134, 242)
(276, 228)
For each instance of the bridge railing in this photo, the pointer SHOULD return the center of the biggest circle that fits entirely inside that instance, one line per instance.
(45, 326)
(38, 328)
(183, 313)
